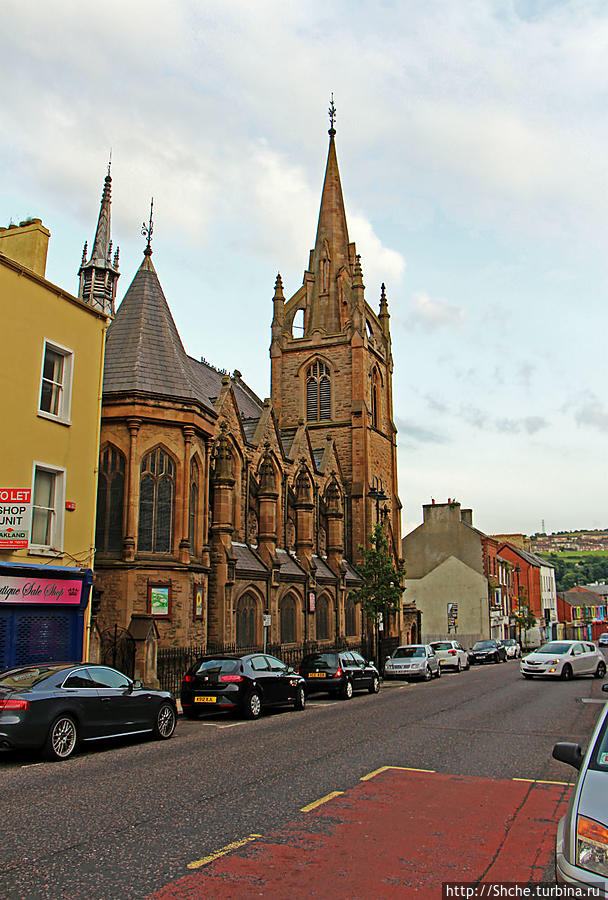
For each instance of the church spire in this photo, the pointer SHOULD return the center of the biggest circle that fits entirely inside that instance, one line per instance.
(331, 251)
(99, 275)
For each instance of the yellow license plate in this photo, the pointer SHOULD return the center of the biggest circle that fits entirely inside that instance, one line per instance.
(317, 674)
(205, 699)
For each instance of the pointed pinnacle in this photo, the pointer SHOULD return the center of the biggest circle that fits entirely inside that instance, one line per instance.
(383, 301)
(84, 253)
(278, 288)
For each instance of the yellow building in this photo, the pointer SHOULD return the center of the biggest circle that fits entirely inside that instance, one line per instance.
(51, 372)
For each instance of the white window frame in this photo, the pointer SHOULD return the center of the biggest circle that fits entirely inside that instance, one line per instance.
(65, 404)
(55, 548)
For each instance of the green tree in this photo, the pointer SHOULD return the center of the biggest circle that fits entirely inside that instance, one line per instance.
(524, 617)
(382, 588)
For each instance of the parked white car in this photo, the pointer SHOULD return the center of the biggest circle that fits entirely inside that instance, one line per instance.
(512, 647)
(413, 661)
(564, 659)
(451, 655)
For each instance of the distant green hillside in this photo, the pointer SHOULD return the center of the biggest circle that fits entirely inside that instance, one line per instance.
(572, 568)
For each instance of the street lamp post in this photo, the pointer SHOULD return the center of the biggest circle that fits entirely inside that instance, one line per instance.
(376, 492)
(517, 571)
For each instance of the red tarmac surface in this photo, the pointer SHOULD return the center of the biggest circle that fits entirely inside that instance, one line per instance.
(399, 834)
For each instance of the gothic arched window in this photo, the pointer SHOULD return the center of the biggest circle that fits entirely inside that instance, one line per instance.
(323, 619)
(288, 620)
(193, 509)
(350, 619)
(375, 399)
(246, 621)
(110, 500)
(156, 499)
(318, 392)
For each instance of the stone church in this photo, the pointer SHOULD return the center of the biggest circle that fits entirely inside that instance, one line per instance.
(229, 519)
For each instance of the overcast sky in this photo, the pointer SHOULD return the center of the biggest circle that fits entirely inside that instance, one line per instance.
(471, 141)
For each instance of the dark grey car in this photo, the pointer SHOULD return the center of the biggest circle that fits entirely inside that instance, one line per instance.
(54, 707)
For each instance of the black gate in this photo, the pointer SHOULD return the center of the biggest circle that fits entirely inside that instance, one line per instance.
(118, 650)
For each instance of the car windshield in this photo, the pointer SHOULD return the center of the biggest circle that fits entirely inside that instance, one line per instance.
(599, 760)
(26, 678)
(321, 660)
(441, 645)
(215, 665)
(554, 647)
(408, 652)
(484, 645)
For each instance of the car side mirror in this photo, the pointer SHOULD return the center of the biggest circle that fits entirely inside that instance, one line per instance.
(135, 686)
(568, 753)
(290, 670)
(605, 688)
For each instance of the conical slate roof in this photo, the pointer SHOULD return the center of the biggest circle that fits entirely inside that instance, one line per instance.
(144, 352)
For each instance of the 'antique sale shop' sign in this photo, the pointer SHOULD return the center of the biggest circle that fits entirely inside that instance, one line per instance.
(15, 517)
(23, 589)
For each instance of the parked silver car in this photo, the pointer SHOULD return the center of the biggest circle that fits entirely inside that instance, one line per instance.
(413, 661)
(581, 850)
(451, 655)
(564, 659)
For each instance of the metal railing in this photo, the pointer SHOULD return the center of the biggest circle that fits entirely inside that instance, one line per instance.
(172, 663)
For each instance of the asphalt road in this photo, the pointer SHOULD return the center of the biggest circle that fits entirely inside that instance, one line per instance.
(126, 818)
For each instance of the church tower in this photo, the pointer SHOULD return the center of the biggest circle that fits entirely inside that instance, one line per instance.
(99, 274)
(331, 367)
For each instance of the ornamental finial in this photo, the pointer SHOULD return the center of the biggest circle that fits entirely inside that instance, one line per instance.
(332, 116)
(148, 230)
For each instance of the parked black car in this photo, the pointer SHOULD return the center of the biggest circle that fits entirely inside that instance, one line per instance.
(245, 683)
(487, 651)
(57, 706)
(339, 673)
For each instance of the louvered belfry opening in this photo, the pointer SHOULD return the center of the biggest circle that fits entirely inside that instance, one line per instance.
(318, 392)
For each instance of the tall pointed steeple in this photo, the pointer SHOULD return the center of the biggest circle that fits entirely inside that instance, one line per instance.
(99, 274)
(331, 251)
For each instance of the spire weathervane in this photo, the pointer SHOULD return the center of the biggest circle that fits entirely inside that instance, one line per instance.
(332, 115)
(148, 230)
(110, 162)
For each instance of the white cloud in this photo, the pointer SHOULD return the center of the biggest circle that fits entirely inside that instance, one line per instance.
(433, 313)
(593, 414)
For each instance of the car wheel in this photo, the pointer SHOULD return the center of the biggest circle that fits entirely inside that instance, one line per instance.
(438, 672)
(496, 658)
(375, 685)
(601, 670)
(253, 706)
(165, 722)
(459, 666)
(468, 666)
(299, 701)
(347, 690)
(527, 676)
(190, 713)
(566, 672)
(62, 739)
(427, 674)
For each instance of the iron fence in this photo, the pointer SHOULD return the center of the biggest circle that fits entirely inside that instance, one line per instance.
(173, 662)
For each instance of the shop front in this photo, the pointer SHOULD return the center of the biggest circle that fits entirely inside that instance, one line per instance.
(42, 613)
